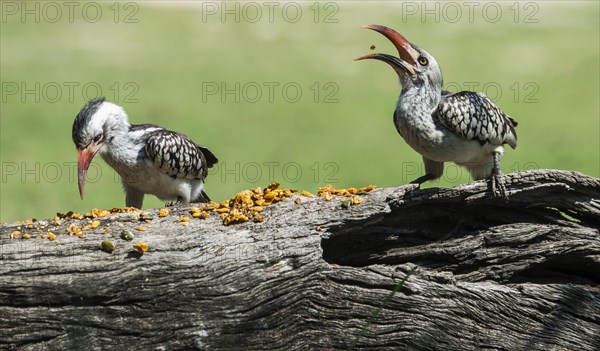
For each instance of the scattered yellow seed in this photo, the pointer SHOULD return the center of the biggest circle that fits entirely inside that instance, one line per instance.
(306, 194)
(163, 212)
(99, 213)
(297, 201)
(366, 189)
(259, 218)
(15, 234)
(74, 215)
(272, 186)
(327, 192)
(26, 236)
(91, 225)
(72, 229)
(233, 217)
(140, 228)
(51, 236)
(184, 219)
(201, 214)
(245, 206)
(270, 196)
(141, 247)
(355, 200)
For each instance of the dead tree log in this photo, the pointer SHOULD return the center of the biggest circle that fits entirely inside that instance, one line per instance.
(431, 269)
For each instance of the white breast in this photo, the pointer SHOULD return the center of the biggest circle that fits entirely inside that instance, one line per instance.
(127, 156)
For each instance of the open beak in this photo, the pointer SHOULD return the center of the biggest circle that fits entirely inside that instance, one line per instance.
(84, 158)
(408, 54)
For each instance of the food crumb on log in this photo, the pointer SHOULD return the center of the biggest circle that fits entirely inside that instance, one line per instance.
(141, 247)
(107, 246)
(126, 235)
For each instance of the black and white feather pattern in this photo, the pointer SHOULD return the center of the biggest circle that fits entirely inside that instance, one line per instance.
(178, 156)
(475, 117)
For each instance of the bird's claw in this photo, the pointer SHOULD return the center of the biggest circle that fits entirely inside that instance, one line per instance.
(173, 203)
(498, 187)
(422, 179)
(412, 186)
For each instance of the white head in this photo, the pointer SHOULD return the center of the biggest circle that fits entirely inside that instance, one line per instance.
(96, 123)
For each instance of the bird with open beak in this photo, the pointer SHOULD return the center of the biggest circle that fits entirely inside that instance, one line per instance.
(466, 127)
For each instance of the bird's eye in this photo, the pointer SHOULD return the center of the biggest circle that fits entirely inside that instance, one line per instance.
(423, 61)
(97, 138)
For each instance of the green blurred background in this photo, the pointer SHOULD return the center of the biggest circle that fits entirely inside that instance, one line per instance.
(306, 114)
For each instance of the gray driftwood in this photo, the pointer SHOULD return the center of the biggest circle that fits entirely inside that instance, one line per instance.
(483, 274)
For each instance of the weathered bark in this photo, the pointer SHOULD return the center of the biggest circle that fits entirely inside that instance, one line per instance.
(482, 274)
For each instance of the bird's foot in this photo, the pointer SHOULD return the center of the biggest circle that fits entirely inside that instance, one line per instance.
(411, 187)
(498, 187)
(174, 203)
(422, 179)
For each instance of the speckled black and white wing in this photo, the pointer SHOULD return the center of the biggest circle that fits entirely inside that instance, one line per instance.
(475, 117)
(177, 155)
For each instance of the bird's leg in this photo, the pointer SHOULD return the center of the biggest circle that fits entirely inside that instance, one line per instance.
(433, 170)
(498, 187)
(133, 197)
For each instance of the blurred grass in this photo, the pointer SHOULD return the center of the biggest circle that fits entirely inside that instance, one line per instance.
(172, 51)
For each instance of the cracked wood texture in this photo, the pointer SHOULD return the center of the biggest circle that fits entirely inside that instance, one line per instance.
(482, 274)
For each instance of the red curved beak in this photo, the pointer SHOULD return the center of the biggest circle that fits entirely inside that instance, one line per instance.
(84, 158)
(408, 53)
